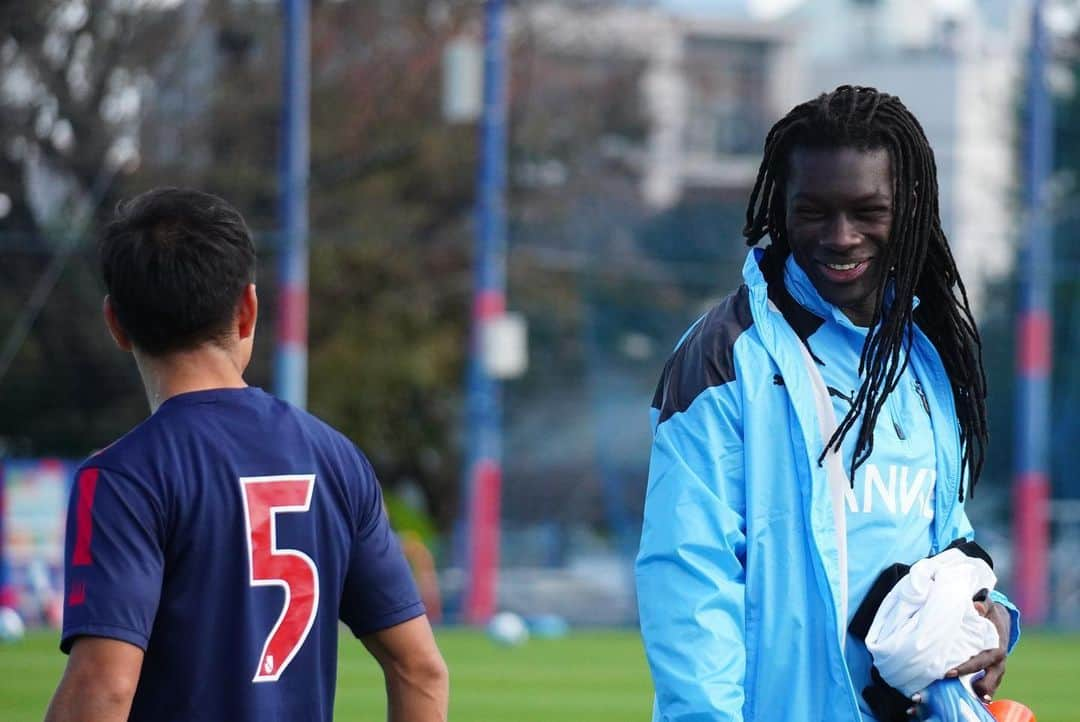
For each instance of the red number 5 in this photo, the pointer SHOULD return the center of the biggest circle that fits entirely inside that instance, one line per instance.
(264, 497)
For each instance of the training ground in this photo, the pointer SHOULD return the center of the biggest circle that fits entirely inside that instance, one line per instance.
(586, 677)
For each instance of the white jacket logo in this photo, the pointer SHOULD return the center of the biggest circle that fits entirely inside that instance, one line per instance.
(903, 491)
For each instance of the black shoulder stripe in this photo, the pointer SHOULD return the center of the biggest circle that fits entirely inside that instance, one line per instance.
(706, 358)
(801, 320)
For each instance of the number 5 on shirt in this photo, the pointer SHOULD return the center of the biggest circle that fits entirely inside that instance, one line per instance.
(264, 497)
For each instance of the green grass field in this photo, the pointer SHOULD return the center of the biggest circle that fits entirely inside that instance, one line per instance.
(587, 677)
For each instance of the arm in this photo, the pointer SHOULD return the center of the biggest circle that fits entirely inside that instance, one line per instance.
(382, 606)
(689, 570)
(417, 681)
(112, 574)
(99, 682)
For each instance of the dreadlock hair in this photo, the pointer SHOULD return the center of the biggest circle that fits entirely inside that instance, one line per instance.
(917, 255)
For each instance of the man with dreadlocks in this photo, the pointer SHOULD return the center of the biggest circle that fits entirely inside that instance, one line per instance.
(767, 520)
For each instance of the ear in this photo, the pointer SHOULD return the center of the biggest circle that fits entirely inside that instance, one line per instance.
(113, 324)
(247, 312)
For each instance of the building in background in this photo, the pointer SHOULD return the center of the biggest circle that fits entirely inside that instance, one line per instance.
(713, 84)
(711, 87)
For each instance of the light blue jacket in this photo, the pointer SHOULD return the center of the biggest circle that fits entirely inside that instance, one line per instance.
(738, 569)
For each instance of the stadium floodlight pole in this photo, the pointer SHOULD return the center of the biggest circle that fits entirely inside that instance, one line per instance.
(1031, 486)
(290, 360)
(483, 469)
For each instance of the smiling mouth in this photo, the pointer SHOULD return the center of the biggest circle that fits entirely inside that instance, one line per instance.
(843, 272)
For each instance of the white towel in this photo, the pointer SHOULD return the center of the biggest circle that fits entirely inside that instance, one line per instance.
(927, 624)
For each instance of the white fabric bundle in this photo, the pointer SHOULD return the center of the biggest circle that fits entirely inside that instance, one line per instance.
(927, 624)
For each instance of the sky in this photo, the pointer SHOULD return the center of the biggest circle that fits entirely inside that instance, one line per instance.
(760, 8)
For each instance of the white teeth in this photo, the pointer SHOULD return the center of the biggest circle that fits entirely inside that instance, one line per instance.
(842, 266)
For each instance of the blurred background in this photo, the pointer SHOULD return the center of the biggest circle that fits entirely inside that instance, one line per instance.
(483, 301)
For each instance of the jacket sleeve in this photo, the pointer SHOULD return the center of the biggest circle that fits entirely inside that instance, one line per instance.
(690, 567)
(967, 531)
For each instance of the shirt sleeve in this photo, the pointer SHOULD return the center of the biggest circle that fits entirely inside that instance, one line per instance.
(379, 589)
(113, 558)
(690, 567)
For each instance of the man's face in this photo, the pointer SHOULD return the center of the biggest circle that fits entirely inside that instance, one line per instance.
(839, 212)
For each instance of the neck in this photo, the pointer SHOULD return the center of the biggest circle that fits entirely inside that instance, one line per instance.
(207, 367)
(862, 313)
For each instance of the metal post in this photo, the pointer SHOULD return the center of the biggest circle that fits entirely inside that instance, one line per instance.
(483, 471)
(1031, 486)
(290, 361)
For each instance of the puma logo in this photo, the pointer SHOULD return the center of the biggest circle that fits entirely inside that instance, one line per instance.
(841, 395)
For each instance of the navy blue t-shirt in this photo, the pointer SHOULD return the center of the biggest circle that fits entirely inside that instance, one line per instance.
(226, 535)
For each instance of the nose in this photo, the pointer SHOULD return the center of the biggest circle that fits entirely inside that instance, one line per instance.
(841, 234)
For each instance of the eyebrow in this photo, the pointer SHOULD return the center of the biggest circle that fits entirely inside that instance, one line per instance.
(868, 198)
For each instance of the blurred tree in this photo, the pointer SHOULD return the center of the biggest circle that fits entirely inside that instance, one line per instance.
(73, 76)
(391, 194)
(189, 94)
(75, 73)
(391, 187)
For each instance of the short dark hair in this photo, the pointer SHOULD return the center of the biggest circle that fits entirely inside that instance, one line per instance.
(176, 262)
(866, 118)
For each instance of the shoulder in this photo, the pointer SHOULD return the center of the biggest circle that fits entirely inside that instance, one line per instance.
(706, 356)
(331, 438)
(128, 454)
(333, 446)
(121, 483)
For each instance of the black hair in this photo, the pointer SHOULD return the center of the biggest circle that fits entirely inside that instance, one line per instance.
(175, 263)
(918, 255)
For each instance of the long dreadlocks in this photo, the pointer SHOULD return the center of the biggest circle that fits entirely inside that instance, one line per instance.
(918, 254)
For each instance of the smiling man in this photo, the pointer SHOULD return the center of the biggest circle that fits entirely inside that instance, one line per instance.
(818, 426)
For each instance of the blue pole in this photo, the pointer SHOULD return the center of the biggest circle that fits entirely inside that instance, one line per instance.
(290, 361)
(7, 598)
(1031, 486)
(483, 470)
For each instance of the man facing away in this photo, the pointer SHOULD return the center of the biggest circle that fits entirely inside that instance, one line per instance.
(211, 551)
(767, 519)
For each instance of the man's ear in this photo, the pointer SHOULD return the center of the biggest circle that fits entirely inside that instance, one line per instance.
(113, 324)
(247, 312)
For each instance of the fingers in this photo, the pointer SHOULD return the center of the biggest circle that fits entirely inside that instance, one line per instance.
(916, 700)
(987, 685)
(983, 660)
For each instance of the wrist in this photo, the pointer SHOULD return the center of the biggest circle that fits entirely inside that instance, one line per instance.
(1003, 621)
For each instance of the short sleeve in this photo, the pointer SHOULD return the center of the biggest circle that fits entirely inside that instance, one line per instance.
(113, 559)
(379, 589)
